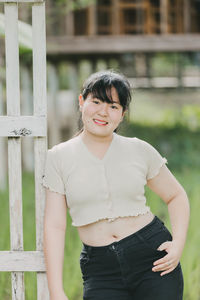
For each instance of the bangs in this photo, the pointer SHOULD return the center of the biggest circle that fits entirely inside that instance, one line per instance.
(100, 85)
(102, 92)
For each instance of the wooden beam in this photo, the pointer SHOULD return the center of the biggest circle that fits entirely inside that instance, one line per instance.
(22, 261)
(14, 126)
(121, 44)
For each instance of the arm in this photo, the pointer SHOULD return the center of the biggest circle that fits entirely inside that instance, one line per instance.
(54, 241)
(172, 193)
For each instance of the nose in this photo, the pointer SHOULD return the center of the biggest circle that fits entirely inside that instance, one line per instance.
(103, 109)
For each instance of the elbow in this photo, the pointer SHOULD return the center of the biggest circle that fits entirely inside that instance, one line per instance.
(181, 195)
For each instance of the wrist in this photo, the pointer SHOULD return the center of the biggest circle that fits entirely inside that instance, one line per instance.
(56, 293)
(179, 242)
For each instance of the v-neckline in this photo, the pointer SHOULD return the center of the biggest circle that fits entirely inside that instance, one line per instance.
(93, 156)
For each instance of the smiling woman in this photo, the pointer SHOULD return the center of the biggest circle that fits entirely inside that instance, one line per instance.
(105, 101)
(100, 177)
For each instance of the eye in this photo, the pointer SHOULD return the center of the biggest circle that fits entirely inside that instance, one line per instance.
(114, 106)
(96, 101)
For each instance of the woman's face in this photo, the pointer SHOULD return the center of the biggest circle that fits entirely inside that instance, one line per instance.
(101, 118)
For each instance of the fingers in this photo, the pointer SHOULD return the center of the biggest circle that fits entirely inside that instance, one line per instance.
(167, 271)
(164, 264)
(162, 260)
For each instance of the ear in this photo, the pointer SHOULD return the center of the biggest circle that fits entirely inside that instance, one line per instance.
(81, 101)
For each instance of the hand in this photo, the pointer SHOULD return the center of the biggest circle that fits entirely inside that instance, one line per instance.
(169, 262)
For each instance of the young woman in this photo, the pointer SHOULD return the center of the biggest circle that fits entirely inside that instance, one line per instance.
(128, 253)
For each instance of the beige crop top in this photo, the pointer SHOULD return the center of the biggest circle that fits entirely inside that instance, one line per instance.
(102, 188)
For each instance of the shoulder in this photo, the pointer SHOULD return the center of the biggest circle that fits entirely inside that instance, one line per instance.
(140, 146)
(62, 155)
(64, 147)
(132, 141)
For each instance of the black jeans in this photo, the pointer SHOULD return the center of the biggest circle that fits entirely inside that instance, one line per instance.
(122, 270)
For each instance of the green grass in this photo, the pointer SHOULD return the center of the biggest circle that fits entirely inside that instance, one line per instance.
(190, 260)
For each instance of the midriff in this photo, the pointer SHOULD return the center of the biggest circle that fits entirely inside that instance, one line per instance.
(102, 232)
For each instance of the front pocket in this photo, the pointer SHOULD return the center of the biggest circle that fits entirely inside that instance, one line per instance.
(155, 239)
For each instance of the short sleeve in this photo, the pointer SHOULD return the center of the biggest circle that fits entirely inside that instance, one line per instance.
(153, 159)
(52, 178)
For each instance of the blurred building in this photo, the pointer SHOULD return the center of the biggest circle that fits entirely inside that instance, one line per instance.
(123, 25)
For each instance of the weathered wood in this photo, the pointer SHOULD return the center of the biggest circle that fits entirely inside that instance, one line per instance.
(69, 22)
(27, 109)
(122, 44)
(14, 144)
(164, 16)
(53, 118)
(165, 82)
(115, 17)
(22, 261)
(92, 20)
(22, 126)
(3, 169)
(40, 144)
(186, 16)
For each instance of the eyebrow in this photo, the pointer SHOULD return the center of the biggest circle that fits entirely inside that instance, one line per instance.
(111, 102)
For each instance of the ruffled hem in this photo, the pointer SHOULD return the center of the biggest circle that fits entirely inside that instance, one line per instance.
(156, 172)
(52, 189)
(112, 219)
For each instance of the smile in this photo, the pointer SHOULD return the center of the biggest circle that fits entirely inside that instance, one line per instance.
(103, 123)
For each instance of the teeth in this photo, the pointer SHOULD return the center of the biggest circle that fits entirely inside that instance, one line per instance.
(100, 122)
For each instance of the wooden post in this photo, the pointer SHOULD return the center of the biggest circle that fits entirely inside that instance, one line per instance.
(40, 143)
(186, 16)
(69, 21)
(53, 89)
(115, 17)
(164, 16)
(140, 28)
(14, 144)
(27, 109)
(92, 18)
(74, 86)
(3, 169)
(179, 63)
(148, 57)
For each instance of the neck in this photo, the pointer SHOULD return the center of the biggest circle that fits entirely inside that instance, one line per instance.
(93, 138)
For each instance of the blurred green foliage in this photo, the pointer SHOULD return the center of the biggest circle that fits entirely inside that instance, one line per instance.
(187, 116)
(179, 144)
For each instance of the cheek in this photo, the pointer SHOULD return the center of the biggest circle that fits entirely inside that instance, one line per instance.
(116, 116)
(88, 111)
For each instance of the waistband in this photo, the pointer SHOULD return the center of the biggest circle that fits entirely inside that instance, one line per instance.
(144, 231)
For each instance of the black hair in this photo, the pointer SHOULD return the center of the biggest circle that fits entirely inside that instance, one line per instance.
(99, 84)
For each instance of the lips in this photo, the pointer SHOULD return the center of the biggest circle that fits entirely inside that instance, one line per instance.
(100, 122)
